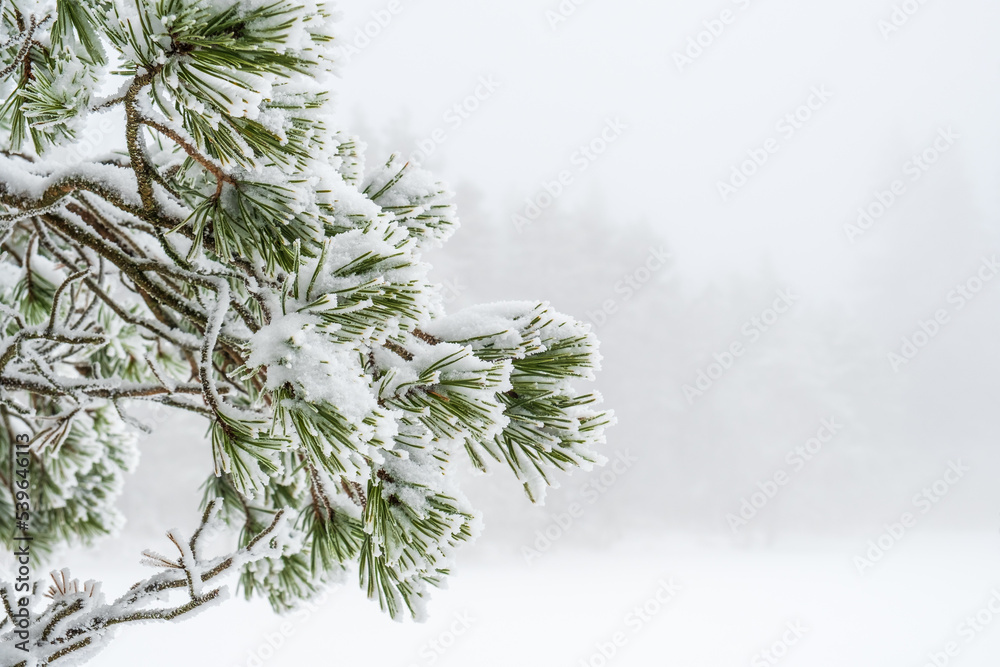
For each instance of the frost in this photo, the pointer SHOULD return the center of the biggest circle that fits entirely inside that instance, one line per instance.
(295, 351)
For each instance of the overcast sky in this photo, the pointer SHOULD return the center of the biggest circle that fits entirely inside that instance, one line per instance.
(690, 120)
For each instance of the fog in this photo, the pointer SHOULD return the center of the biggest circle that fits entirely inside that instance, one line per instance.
(858, 166)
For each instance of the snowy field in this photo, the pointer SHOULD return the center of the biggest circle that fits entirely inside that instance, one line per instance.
(671, 601)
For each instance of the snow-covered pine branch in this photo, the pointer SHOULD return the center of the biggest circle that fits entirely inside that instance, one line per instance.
(79, 621)
(227, 254)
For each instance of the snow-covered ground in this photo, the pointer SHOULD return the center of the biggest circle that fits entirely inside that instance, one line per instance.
(671, 601)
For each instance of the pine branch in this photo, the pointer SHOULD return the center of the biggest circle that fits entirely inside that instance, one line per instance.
(232, 258)
(78, 619)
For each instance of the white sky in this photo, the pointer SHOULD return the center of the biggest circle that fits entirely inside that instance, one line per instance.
(688, 129)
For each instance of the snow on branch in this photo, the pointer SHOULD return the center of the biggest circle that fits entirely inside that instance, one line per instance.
(78, 621)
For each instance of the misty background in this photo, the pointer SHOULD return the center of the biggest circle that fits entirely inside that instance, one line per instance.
(557, 83)
(534, 85)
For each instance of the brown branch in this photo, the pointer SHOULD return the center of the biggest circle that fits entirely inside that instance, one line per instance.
(136, 146)
(22, 53)
(426, 337)
(398, 350)
(214, 169)
(24, 383)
